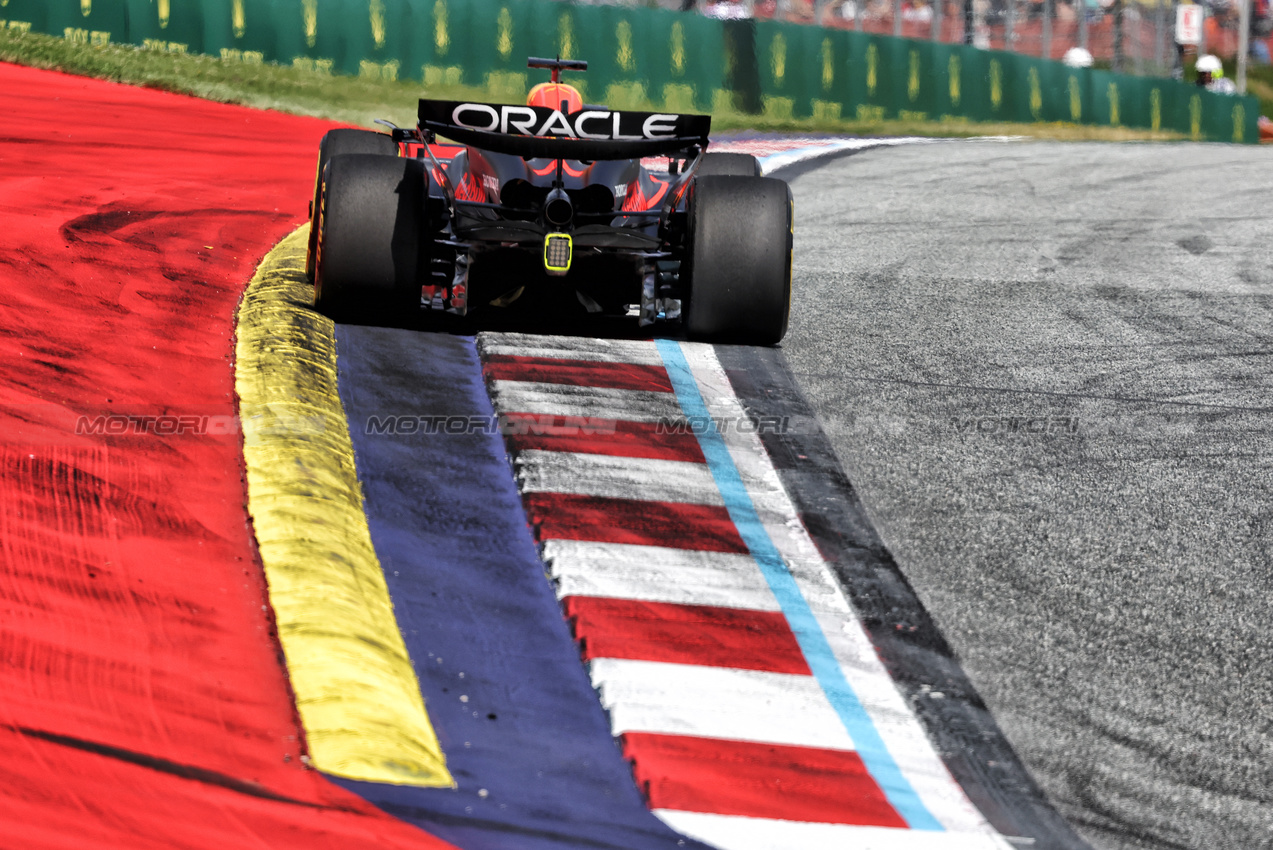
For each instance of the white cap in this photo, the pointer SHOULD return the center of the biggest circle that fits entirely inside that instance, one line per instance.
(1077, 57)
(1207, 64)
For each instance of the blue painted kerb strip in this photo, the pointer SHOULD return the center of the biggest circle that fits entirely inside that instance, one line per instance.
(813, 643)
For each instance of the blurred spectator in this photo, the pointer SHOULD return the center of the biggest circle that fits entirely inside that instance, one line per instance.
(847, 11)
(1261, 29)
(1211, 75)
(917, 12)
(726, 10)
(1077, 57)
(799, 11)
(880, 10)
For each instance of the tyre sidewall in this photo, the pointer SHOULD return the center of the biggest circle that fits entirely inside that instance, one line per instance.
(371, 251)
(337, 143)
(740, 260)
(728, 164)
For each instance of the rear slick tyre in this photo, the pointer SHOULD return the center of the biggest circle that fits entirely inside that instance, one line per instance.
(338, 143)
(740, 260)
(370, 252)
(728, 165)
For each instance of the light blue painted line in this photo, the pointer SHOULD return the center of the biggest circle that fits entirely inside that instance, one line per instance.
(813, 643)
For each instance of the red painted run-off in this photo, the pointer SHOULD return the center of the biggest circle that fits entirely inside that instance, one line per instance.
(757, 780)
(528, 431)
(705, 635)
(585, 373)
(143, 703)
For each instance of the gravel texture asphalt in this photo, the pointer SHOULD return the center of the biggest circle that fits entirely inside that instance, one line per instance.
(1047, 370)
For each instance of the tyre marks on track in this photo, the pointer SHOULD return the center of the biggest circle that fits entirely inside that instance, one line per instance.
(145, 704)
(735, 674)
(902, 632)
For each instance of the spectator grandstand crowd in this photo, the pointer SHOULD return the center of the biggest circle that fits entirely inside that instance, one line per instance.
(1131, 35)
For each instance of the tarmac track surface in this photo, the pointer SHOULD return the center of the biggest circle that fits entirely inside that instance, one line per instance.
(1045, 368)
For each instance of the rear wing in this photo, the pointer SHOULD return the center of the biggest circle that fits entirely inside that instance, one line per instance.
(590, 133)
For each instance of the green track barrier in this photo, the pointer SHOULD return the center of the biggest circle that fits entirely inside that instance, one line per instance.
(1067, 94)
(1026, 73)
(983, 90)
(648, 58)
(952, 78)
(165, 26)
(870, 84)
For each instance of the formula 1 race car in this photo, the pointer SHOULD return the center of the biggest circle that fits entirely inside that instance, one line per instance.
(609, 212)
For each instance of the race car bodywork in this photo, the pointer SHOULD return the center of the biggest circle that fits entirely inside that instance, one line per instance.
(533, 204)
